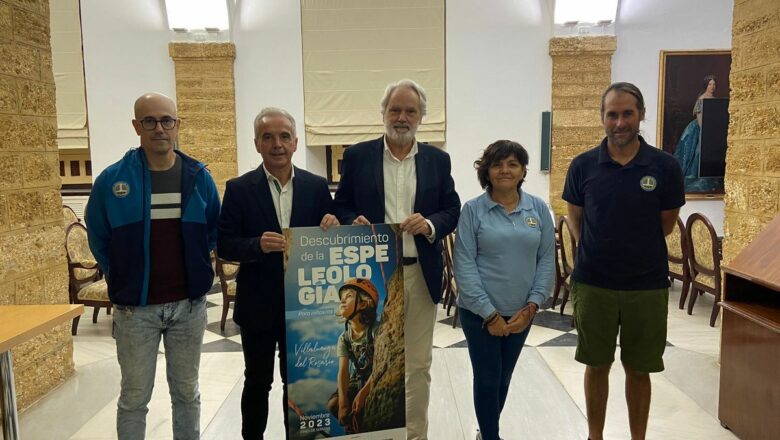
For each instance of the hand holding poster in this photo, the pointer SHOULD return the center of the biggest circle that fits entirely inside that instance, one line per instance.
(345, 347)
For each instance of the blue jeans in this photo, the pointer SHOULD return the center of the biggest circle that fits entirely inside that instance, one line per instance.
(493, 359)
(137, 331)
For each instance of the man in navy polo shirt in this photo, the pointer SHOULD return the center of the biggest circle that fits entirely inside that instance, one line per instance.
(623, 199)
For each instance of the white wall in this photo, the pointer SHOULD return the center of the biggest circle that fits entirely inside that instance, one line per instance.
(499, 76)
(499, 73)
(714, 210)
(269, 73)
(643, 29)
(125, 56)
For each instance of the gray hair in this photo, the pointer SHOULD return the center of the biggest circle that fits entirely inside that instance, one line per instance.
(624, 87)
(273, 111)
(405, 83)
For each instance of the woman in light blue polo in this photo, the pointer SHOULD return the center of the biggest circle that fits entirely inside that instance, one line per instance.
(504, 250)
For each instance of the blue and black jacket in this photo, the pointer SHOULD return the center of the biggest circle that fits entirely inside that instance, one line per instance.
(118, 217)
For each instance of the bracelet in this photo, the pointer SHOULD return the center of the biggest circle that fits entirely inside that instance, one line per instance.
(489, 320)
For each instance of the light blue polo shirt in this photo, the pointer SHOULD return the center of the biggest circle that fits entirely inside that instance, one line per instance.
(504, 260)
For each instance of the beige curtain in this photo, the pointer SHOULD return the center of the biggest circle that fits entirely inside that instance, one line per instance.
(68, 66)
(352, 49)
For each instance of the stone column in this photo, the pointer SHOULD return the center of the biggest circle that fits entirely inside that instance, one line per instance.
(205, 95)
(753, 157)
(582, 69)
(33, 268)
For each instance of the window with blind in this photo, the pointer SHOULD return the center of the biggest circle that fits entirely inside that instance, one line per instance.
(68, 66)
(352, 49)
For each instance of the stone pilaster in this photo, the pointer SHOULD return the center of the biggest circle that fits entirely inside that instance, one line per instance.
(33, 268)
(582, 69)
(753, 158)
(205, 95)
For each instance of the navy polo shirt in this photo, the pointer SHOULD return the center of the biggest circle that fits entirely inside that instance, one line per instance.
(622, 245)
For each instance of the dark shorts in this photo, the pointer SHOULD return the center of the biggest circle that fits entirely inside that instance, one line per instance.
(638, 316)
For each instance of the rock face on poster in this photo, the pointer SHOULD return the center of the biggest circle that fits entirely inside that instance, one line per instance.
(345, 346)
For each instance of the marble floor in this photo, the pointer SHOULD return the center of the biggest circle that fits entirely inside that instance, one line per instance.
(546, 399)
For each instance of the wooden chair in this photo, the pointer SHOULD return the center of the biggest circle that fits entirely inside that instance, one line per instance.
(449, 285)
(679, 266)
(227, 271)
(568, 251)
(446, 277)
(704, 248)
(69, 216)
(559, 278)
(85, 282)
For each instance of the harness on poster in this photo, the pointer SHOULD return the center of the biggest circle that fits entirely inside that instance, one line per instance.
(362, 355)
(367, 358)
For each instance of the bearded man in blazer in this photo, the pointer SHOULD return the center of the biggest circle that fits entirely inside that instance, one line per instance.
(395, 179)
(256, 207)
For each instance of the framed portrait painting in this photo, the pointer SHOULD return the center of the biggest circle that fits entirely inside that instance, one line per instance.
(693, 116)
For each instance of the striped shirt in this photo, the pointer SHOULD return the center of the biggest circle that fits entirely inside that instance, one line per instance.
(167, 275)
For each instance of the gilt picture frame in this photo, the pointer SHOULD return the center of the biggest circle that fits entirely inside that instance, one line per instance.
(680, 83)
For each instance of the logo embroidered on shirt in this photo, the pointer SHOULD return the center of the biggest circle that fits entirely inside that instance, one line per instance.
(120, 190)
(648, 183)
(532, 222)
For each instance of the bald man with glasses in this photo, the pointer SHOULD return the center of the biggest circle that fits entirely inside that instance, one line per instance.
(152, 223)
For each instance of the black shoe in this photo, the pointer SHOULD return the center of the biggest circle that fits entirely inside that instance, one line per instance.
(479, 435)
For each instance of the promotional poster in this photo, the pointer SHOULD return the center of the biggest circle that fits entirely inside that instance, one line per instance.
(345, 347)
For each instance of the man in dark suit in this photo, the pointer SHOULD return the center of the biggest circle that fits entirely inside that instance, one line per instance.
(256, 207)
(395, 179)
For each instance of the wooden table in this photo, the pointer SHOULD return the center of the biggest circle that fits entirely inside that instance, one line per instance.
(19, 324)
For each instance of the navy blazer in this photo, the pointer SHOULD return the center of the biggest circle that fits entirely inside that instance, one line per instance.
(362, 192)
(247, 212)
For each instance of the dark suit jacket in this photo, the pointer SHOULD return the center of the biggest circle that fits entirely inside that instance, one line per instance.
(362, 192)
(247, 212)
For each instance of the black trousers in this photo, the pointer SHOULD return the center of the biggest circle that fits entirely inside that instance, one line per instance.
(259, 348)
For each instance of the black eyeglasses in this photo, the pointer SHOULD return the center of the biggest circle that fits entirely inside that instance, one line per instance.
(151, 123)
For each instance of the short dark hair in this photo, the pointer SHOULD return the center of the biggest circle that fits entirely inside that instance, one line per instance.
(624, 87)
(495, 153)
(706, 81)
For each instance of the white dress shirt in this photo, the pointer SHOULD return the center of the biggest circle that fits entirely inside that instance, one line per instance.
(400, 178)
(282, 195)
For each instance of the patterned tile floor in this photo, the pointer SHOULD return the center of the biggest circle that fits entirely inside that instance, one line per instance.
(547, 383)
(550, 328)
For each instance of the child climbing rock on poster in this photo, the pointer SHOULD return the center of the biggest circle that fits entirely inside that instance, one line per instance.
(355, 350)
